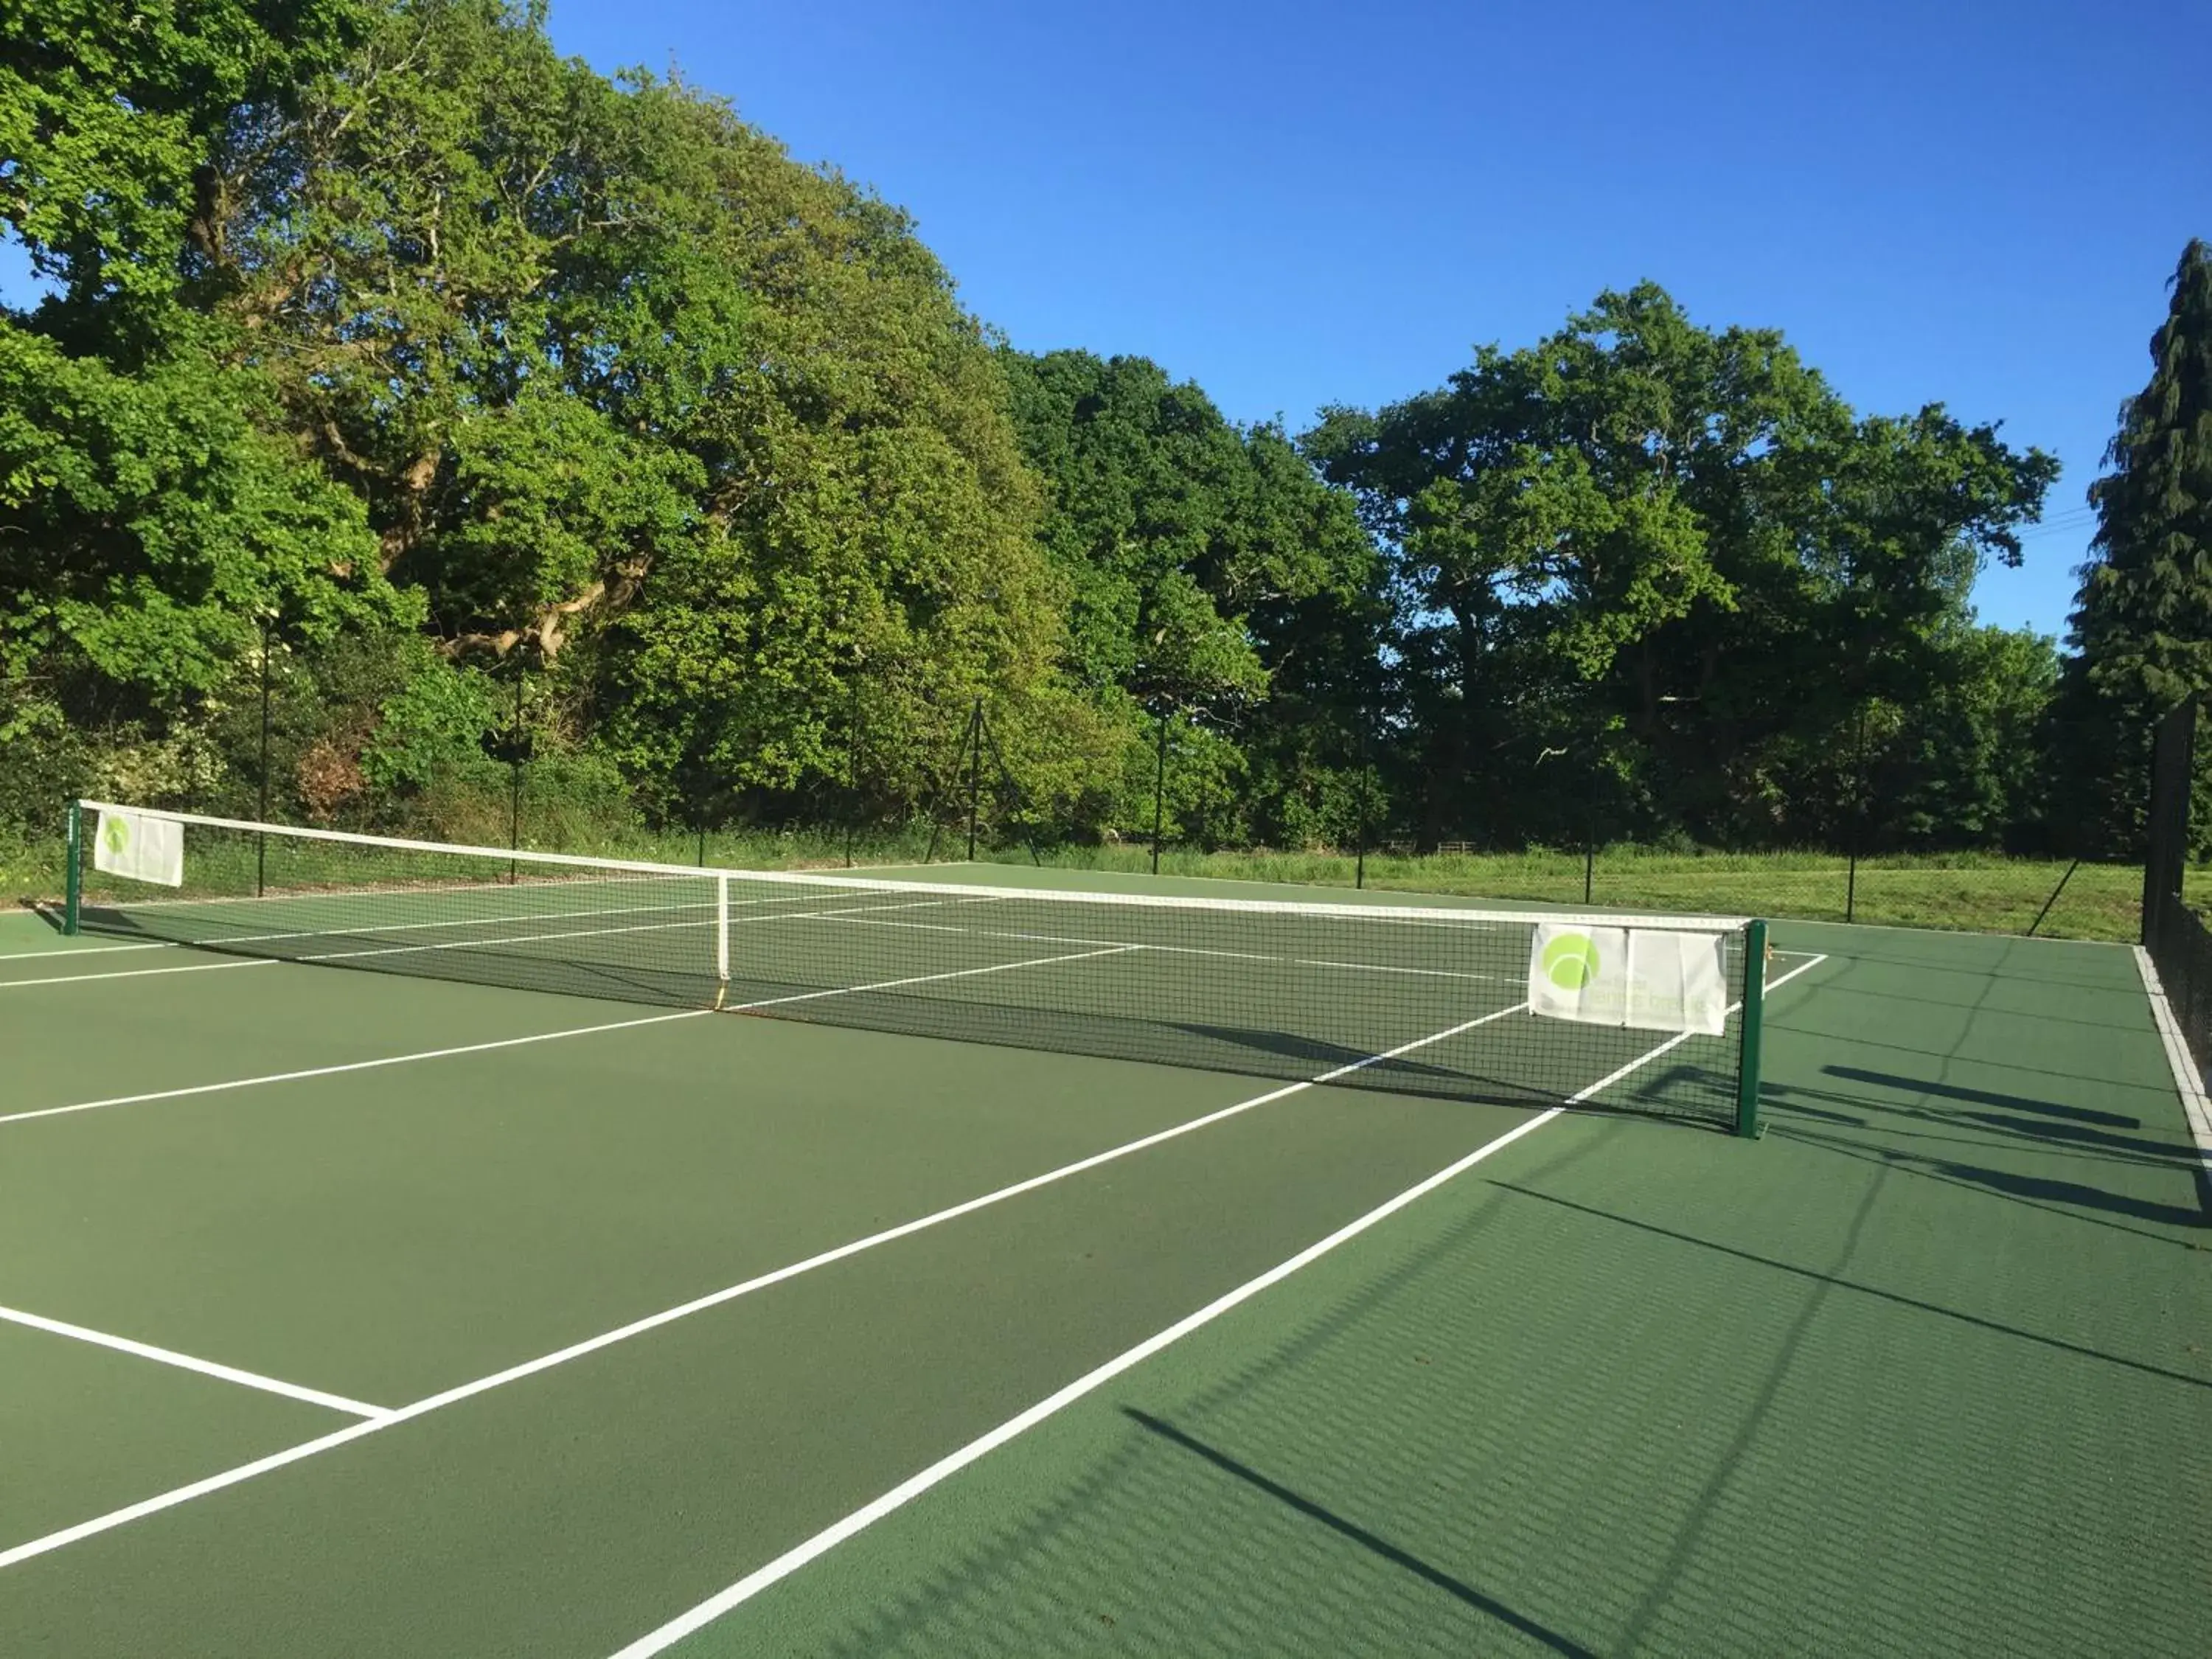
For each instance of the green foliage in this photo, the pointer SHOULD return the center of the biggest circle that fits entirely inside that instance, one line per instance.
(1209, 575)
(2143, 618)
(1651, 571)
(107, 117)
(145, 522)
(402, 366)
(432, 726)
(1962, 766)
(2143, 614)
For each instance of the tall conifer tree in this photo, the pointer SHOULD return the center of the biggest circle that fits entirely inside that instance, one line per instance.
(2143, 617)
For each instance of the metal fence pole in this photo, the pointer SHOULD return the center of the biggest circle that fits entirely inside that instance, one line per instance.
(1754, 1018)
(73, 877)
(852, 769)
(1159, 792)
(261, 842)
(514, 781)
(975, 772)
(1360, 862)
(2053, 899)
(1858, 825)
(2167, 853)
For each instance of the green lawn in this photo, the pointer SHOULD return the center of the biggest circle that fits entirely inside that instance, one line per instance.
(1963, 891)
(1970, 892)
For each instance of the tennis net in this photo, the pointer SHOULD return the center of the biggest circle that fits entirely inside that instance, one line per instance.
(1427, 999)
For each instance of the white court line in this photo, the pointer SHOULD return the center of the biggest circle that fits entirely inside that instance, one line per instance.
(863, 919)
(508, 1042)
(245, 1472)
(350, 1065)
(405, 949)
(502, 1043)
(906, 1492)
(899, 1496)
(348, 930)
(927, 979)
(83, 950)
(1673, 1042)
(188, 1362)
(133, 973)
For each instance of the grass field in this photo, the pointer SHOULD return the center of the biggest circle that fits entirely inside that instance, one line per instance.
(1962, 892)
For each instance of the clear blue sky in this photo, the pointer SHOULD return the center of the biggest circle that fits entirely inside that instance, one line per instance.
(1295, 204)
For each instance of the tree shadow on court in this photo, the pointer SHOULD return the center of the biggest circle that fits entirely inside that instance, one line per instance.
(2067, 1199)
(1319, 1497)
(1358, 1534)
(2067, 1125)
(2016, 960)
(1984, 1097)
(1895, 1297)
(1881, 1118)
(1916, 999)
(1685, 1091)
(1793, 1103)
(1539, 1426)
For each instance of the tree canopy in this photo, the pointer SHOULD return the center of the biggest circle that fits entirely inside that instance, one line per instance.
(457, 385)
(2143, 615)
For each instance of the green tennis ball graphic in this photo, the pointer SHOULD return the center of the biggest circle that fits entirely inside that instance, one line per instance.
(117, 834)
(1570, 961)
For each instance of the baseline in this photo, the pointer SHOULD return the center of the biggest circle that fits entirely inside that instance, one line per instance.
(348, 1065)
(192, 1363)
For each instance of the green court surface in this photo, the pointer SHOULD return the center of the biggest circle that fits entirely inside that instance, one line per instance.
(349, 1312)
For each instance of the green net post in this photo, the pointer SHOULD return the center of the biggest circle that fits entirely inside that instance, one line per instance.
(1755, 1016)
(73, 877)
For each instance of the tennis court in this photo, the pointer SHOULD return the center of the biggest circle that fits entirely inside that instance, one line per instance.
(995, 1299)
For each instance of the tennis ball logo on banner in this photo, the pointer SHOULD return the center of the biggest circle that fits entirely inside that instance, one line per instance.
(1651, 979)
(1570, 961)
(139, 847)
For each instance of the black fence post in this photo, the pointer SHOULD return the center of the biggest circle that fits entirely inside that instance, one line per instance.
(1366, 796)
(1359, 860)
(261, 842)
(1010, 790)
(852, 769)
(515, 782)
(1589, 856)
(2168, 853)
(2053, 899)
(1858, 824)
(1159, 791)
(975, 772)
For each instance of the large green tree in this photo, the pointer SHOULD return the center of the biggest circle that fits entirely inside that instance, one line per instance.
(1648, 571)
(458, 368)
(2143, 620)
(152, 515)
(1211, 581)
(2142, 628)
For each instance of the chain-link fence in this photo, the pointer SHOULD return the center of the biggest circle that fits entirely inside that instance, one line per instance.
(1863, 837)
